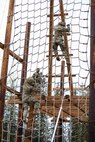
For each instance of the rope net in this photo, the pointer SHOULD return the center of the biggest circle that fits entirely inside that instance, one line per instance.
(73, 120)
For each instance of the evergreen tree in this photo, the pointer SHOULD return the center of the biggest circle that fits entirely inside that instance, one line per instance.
(10, 122)
(41, 129)
(10, 118)
(79, 130)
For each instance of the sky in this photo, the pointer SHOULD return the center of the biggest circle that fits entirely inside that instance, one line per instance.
(3, 17)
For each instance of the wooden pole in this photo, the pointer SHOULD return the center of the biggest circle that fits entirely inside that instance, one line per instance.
(92, 76)
(5, 62)
(62, 77)
(25, 55)
(66, 45)
(24, 74)
(62, 93)
(12, 53)
(59, 129)
(50, 48)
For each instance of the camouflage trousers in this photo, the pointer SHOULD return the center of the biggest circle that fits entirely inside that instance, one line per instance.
(26, 108)
(63, 49)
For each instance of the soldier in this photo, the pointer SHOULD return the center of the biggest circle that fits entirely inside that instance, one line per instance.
(31, 88)
(28, 88)
(58, 38)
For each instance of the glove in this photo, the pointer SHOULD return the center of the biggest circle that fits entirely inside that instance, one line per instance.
(68, 26)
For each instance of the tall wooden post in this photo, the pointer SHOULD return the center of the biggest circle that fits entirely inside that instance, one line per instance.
(92, 76)
(62, 77)
(59, 128)
(25, 55)
(66, 45)
(24, 74)
(50, 48)
(5, 62)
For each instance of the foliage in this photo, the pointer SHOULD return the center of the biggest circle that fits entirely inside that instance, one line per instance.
(79, 132)
(9, 123)
(10, 118)
(57, 91)
(41, 129)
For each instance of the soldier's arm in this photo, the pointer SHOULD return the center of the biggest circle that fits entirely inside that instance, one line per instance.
(66, 29)
(27, 88)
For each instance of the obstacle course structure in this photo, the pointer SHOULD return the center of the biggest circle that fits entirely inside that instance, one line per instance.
(28, 45)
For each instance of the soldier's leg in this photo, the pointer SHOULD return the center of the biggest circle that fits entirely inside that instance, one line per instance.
(25, 112)
(36, 108)
(36, 105)
(63, 49)
(55, 45)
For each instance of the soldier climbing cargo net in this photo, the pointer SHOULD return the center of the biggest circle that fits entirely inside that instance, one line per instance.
(64, 110)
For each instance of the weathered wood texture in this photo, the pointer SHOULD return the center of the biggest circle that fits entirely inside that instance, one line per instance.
(75, 106)
(12, 53)
(92, 76)
(66, 45)
(5, 62)
(24, 73)
(50, 48)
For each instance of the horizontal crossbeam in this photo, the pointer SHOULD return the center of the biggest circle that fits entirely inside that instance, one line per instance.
(57, 14)
(12, 53)
(74, 106)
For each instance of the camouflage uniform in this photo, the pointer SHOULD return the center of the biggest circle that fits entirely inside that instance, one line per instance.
(58, 38)
(31, 88)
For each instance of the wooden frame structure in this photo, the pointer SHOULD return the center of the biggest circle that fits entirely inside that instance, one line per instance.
(50, 101)
(92, 76)
(62, 14)
(5, 62)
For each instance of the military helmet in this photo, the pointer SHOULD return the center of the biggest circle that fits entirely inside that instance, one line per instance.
(62, 23)
(37, 70)
(30, 80)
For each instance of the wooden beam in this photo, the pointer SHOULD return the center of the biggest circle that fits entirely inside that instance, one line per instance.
(25, 54)
(5, 60)
(66, 45)
(59, 98)
(83, 120)
(59, 132)
(24, 71)
(66, 112)
(67, 89)
(92, 75)
(53, 35)
(1, 45)
(62, 78)
(50, 48)
(57, 75)
(73, 107)
(54, 111)
(12, 53)
(57, 14)
(59, 55)
(12, 90)
(19, 94)
(68, 108)
(74, 97)
(14, 100)
(59, 127)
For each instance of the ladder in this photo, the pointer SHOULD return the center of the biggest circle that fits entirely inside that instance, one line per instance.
(50, 60)
(68, 62)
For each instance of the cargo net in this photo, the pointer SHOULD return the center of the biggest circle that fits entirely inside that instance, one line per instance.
(55, 117)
